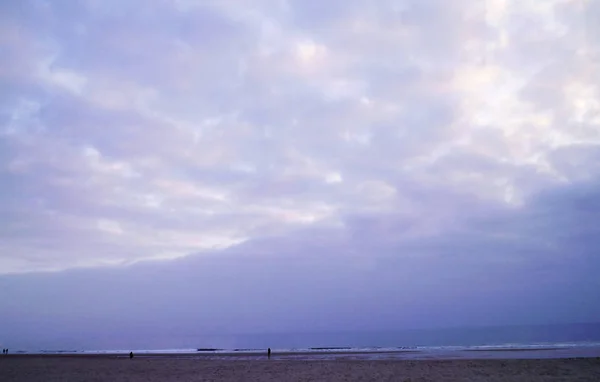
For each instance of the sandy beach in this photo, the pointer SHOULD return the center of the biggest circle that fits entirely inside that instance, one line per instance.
(110, 368)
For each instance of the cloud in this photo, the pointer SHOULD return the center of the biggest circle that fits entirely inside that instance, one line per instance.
(489, 266)
(136, 133)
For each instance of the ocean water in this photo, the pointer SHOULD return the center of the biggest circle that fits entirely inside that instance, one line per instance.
(457, 337)
(481, 342)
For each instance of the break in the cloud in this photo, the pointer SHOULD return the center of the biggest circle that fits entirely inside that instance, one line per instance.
(366, 130)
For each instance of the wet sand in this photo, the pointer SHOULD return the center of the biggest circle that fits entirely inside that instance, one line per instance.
(172, 368)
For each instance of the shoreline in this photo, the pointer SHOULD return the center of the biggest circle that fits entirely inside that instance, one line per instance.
(383, 354)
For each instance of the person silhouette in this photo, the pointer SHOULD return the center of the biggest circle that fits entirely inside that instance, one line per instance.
(269, 353)
(130, 355)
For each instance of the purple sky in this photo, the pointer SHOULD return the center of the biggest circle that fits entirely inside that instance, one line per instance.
(322, 163)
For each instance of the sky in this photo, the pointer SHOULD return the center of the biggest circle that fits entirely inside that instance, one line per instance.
(285, 165)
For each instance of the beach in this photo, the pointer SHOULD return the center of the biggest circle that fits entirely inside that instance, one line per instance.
(51, 368)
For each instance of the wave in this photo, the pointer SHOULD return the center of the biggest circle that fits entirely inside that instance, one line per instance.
(334, 349)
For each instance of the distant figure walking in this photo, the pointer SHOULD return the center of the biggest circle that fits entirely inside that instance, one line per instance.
(269, 353)
(130, 355)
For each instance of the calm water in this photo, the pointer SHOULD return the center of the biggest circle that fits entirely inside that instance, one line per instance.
(502, 335)
(586, 335)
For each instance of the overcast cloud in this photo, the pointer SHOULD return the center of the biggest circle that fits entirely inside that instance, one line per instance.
(411, 144)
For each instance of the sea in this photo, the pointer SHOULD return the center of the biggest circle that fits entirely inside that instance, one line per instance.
(515, 341)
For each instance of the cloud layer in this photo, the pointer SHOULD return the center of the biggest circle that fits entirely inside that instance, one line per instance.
(400, 131)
